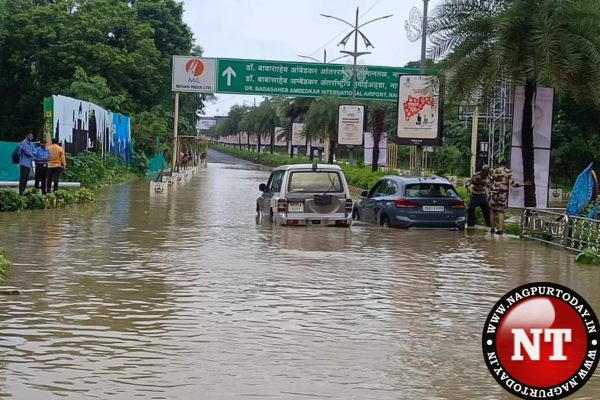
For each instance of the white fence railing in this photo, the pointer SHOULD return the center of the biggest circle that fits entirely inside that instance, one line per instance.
(556, 228)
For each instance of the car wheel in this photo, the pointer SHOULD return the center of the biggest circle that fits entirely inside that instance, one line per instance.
(385, 222)
(355, 215)
(271, 217)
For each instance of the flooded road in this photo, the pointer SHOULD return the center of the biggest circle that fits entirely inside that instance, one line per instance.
(183, 295)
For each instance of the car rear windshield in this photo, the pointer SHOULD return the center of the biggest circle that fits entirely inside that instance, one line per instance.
(315, 181)
(430, 190)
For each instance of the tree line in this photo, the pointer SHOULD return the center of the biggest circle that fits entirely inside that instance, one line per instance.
(114, 53)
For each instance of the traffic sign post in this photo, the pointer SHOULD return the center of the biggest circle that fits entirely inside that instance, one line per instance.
(300, 79)
(293, 79)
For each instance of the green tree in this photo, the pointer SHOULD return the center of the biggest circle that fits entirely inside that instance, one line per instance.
(555, 42)
(232, 125)
(295, 110)
(115, 52)
(321, 121)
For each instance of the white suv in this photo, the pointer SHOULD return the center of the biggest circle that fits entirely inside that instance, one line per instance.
(305, 194)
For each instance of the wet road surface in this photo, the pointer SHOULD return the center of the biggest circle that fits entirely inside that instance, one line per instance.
(185, 295)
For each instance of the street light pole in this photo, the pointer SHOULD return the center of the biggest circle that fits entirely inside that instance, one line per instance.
(324, 58)
(355, 54)
(419, 152)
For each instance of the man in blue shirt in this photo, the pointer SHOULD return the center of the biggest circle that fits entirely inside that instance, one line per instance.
(42, 155)
(26, 157)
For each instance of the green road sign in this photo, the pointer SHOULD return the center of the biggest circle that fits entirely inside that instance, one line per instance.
(299, 79)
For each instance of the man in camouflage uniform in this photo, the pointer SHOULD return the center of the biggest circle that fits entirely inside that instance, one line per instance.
(478, 186)
(500, 180)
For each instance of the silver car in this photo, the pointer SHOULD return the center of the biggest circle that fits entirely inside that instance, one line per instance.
(305, 194)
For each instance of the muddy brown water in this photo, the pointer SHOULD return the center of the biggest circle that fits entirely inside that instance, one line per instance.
(185, 295)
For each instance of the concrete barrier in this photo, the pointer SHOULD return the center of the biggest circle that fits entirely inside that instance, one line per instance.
(61, 185)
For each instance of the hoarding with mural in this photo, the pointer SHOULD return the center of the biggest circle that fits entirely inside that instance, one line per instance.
(419, 120)
(82, 126)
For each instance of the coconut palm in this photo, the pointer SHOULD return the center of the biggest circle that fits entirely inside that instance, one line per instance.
(321, 122)
(295, 111)
(529, 42)
(232, 124)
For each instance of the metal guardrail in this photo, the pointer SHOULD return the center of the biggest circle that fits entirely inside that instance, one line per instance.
(557, 228)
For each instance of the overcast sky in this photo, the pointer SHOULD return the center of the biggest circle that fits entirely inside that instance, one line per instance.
(282, 30)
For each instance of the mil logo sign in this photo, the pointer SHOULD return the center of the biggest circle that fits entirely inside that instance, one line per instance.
(541, 341)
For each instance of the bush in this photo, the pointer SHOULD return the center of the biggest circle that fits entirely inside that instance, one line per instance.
(361, 176)
(10, 200)
(141, 163)
(4, 264)
(94, 171)
(34, 200)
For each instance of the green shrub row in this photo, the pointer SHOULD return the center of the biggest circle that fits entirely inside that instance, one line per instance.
(264, 158)
(10, 200)
(94, 170)
(356, 175)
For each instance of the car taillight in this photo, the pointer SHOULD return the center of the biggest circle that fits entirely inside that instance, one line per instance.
(403, 203)
(281, 205)
(348, 206)
(458, 204)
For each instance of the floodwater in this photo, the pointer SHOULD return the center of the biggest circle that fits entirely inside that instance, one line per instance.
(183, 295)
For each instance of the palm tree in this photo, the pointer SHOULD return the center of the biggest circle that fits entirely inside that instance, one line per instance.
(232, 124)
(294, 111)
(529, 42)
(321, 122)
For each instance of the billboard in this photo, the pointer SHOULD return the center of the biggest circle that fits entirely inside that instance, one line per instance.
(317, 143)
(542, 139)
(205, 123)
(419, 119)
(82, 126)
(280, 137)
(194, 74)
(368, 152)
(298, 137)
(351, 122)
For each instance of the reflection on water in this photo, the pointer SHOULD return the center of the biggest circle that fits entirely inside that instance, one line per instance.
(183, 295)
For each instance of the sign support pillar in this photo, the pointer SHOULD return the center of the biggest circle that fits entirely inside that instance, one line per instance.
(474, 130)
(419, 152)
(175, 126)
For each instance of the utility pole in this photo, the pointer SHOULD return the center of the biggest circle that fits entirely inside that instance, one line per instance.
(419, 152)
(355, 54)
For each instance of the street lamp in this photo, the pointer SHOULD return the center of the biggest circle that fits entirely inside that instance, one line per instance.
(419, 153)
(355, 54)
(324, 58)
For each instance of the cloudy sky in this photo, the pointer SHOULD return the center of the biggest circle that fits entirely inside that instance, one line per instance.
(284, 29)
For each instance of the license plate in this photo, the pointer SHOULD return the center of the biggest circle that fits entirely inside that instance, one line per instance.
(433, 208)
(322, 200)
(296, 207)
